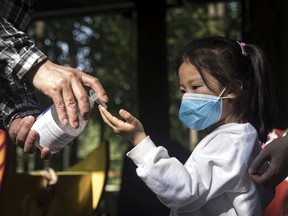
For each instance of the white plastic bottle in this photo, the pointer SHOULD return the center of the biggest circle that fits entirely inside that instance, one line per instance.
(55, 135)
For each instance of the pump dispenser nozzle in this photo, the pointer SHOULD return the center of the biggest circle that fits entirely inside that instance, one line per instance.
(94, 98)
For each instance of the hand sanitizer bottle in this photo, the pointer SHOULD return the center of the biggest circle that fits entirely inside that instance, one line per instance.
(55, 135)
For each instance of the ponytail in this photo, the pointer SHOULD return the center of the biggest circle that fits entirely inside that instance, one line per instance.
(261, 113)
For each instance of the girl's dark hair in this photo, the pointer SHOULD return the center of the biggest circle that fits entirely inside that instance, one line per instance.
(223, 59)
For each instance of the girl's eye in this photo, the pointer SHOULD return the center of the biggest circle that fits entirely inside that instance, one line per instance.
(195, 87)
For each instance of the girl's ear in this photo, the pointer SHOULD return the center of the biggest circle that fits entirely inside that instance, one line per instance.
(235, 94)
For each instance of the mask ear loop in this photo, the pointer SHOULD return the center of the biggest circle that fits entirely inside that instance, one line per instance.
(219, 97)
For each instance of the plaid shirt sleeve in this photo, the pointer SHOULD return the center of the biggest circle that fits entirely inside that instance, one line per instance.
(17, 12)
(17, 100)
(17, 55)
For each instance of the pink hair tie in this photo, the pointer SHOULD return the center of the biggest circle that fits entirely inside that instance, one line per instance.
(242, 45)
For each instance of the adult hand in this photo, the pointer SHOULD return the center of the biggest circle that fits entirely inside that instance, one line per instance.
(23, 137)
(64, 85)
(276, 153)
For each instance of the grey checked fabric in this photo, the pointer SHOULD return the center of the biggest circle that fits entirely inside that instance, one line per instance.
(17, 55)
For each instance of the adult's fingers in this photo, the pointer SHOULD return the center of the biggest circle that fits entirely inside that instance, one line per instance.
(29, 146)
(96, 85)
(276, 153)
(81, 96)
(25, 126)
(262, 158)
(45, 153)
(270, 178)
(71, 97)
(14, 129)
(70, 106)
(59, 103)
(262, 178)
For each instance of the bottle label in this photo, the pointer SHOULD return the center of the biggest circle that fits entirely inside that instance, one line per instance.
(50, 134)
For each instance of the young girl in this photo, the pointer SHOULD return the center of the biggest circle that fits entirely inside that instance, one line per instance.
(226, 91)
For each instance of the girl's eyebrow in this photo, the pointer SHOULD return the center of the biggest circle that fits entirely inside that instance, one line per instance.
(196, 79)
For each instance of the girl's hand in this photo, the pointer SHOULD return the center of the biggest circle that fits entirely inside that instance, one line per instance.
(131, 129)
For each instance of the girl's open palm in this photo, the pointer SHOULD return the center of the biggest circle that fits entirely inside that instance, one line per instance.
(131, 128)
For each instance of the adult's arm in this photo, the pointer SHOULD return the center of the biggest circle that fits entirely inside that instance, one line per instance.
(18, 103)
(64, 85)
(21, 60)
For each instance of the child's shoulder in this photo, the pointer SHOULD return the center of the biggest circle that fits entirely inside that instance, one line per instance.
(229, 136)
(235, 128)
(231, 132)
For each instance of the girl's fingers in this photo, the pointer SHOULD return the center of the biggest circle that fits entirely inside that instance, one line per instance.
(116, 124)
(129, 118)
(105, 119)
(110, 120)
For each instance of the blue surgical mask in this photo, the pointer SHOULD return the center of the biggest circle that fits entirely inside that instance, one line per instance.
(199, 111)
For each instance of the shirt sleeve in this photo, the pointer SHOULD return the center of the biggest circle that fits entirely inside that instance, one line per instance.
(17, 100)
(164, 175)
(18, 12)
(18, 54)
(205, 175)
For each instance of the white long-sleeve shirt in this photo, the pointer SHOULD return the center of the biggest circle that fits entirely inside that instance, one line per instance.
(214, 180)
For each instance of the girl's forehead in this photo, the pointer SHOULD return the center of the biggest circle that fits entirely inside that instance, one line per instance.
(188, 70)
